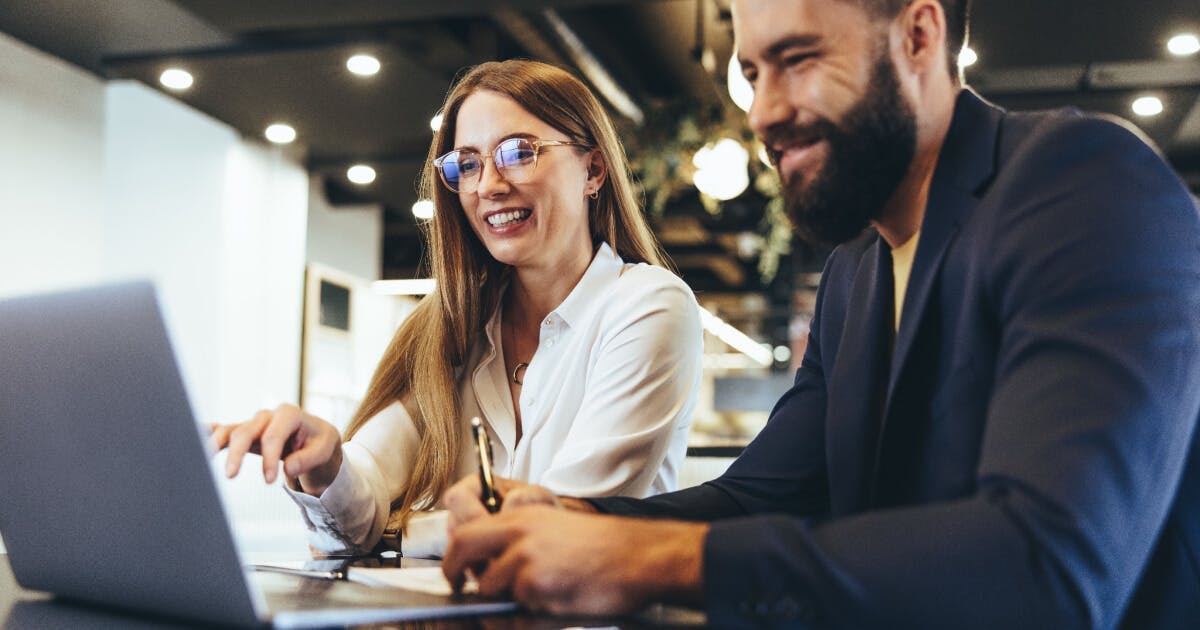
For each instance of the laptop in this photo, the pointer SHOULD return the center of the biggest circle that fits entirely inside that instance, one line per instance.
(107, 491)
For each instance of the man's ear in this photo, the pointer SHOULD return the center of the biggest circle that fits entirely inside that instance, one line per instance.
(924, 36)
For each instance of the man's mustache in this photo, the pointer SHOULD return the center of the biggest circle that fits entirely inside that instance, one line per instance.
(784, 136)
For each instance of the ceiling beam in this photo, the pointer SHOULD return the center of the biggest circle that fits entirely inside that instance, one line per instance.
(1114, 76)
(240, 17)
(1189, 129)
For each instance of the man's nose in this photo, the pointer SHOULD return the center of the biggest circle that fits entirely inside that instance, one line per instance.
(770, 108)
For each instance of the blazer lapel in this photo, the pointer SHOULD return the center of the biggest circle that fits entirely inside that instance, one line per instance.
(965, 167)
(860, 372)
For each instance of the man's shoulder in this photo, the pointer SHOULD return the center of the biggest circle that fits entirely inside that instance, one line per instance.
(1071, 134)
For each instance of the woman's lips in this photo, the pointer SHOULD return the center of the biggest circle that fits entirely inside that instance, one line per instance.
(508, 220)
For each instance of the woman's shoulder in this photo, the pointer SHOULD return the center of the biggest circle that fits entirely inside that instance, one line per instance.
(644, 288)
(647, 278)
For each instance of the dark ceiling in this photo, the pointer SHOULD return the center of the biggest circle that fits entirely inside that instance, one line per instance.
(261, 61)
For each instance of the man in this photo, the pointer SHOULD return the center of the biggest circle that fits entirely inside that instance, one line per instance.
(994, 422)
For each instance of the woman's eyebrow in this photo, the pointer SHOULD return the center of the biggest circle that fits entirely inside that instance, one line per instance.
(508, 136)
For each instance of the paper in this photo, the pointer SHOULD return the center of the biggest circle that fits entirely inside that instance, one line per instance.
(423, 579)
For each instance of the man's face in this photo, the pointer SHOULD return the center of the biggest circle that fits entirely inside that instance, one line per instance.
(829, 108)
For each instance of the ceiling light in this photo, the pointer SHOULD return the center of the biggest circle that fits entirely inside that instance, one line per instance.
(176, 79)
(735, 338)
(363, 65)
(423, 209)
(783, 354)
(417, 286)
(280, 133)
(721, 169)
(360, 174)
(967, 57)
(740, 89)
(1147, 106)
(1184, 44)
(435, 123)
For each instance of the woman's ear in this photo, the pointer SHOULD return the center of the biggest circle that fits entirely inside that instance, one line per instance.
(597, 171)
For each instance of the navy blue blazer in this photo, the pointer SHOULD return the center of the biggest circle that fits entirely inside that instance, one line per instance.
(1026, 455)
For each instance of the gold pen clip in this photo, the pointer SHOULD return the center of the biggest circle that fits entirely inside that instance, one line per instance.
(483, 447)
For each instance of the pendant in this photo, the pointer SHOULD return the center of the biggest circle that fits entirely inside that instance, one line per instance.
(517, 370)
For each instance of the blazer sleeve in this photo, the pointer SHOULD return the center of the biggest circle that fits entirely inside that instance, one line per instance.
(1094, 273)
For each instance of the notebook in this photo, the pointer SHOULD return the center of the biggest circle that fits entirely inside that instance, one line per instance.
(108, 495)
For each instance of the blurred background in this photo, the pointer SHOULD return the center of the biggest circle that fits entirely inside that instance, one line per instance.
(259, 160)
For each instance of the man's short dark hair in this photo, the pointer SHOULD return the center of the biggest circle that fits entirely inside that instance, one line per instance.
(957, 13)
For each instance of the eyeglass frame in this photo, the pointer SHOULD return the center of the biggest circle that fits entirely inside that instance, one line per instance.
(537, 144)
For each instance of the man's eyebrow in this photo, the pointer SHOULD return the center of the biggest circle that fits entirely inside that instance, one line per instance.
(806, 40)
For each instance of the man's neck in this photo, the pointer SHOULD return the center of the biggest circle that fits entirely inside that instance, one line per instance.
(902, 216)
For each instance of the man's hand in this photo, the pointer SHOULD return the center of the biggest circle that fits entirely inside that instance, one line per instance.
(309, 447)
(561, 561)
(463, 501)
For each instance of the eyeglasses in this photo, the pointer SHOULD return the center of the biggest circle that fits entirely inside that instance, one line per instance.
(515, 159)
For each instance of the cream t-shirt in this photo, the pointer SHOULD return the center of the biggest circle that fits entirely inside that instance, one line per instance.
(902, 262)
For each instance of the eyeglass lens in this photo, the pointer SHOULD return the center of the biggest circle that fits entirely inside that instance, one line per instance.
(514, 157)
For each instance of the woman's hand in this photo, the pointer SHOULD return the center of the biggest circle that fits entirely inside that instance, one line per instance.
(309, 447)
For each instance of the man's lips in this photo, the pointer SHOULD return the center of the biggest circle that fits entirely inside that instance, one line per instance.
(798, 156)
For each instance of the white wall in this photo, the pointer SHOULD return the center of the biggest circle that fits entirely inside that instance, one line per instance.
(51, 146)
(346, 238)
(110, 181)
(220, 224)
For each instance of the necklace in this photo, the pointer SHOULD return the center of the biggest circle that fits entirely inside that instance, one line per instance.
(519, 369)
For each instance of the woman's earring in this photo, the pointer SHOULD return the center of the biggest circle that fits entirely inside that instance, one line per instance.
(595, 194)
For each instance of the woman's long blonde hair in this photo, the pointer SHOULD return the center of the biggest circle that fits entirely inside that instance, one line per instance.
(421, 365)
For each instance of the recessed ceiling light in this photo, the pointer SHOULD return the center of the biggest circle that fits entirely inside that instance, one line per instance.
(1147, 106)
(280, 133)
(360, 174)
(363, 65)
(176, 79)
(1184, 44)
(967, 57)
(423, 209)
(435, 123)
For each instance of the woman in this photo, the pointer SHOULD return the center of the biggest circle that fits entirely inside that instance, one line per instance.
(553, 321)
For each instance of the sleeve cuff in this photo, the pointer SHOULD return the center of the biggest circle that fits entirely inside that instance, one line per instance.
(425, 535)
(341, 519)
(745, 585)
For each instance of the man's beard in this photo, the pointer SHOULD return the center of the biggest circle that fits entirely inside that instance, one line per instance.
(869, 154)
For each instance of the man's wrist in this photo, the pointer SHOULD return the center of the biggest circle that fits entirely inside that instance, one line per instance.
(577, 505)
(672, 554)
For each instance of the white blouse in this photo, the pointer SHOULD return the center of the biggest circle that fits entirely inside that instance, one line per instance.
(606, 405)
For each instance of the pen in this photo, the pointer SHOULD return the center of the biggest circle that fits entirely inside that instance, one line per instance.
(484, 447)
(331, 574)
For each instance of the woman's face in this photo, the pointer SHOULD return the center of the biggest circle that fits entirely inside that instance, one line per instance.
(543, 222)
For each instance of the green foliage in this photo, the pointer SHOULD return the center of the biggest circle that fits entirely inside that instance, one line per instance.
(661, 156)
